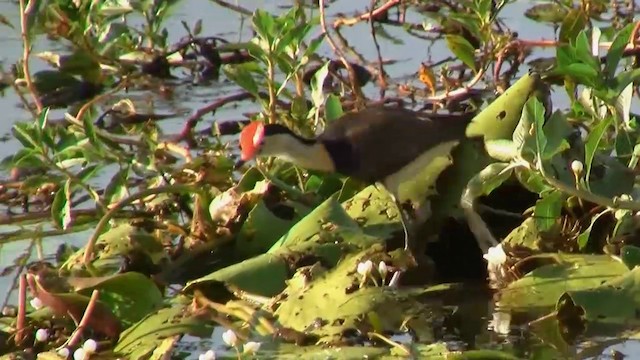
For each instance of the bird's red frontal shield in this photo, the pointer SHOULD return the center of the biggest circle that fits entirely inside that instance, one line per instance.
(250, 139)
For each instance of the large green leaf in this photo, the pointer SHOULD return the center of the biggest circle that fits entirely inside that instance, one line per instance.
(614, 303)
(140, 340)
(499, 119)
(540, 289)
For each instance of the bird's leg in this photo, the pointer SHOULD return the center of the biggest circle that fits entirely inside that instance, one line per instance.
(407, 225)
(478, 227)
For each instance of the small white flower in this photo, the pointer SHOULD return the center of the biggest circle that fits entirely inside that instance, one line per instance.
(80, 354)
(230, 338)
(36, 303)
(501, 322)
(42, 335)
(498, 272)
(364, 268)
(90, 346)
(495, 255)
(427, 26)
(577, 167)
(383, 269)
(63, 352)
(209, 355)
(251, 347)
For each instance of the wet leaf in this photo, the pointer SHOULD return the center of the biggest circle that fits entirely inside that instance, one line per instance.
(339, 285)
(540, 289)
(614, 302)
(74, 305)
(131, 295)
(264, 275)
(630, 256)
(141, 339)
(260, 231)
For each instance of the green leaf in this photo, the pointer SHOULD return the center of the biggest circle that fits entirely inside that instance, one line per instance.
(630, 256)
(583, 238)
(591, 145)
(130, 295)
(264, 24)
(61, 206)
(583, 51)
(241, 76)
(90, 131)
(28, 136)
(117, 189)
(333, 108)
(548, 12)
(500, 118)
(547, 210)
(583, 74)
(624, 79)
(575, 21)
(462, 49)
(140, 340)
(556, 130)
(540, 289)
(317, 84)
(536, 112)
(490, 178)
(27, 158)
(616, 50)
(565, 56)
(88, 172)
(42, 119)
(610, 305)
(313, 47)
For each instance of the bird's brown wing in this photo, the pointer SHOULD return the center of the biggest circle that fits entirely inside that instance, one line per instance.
(378, 141)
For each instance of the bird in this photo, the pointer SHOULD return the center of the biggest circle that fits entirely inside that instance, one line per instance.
(378, 145)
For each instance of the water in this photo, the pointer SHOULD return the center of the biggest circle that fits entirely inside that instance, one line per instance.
(218, 21)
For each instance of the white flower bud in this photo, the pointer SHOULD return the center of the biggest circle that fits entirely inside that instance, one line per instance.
(230, 338)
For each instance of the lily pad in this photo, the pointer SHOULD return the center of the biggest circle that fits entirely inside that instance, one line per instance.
(540, 289)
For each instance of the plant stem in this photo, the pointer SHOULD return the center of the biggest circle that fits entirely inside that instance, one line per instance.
(26, 44)
(272, 90)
